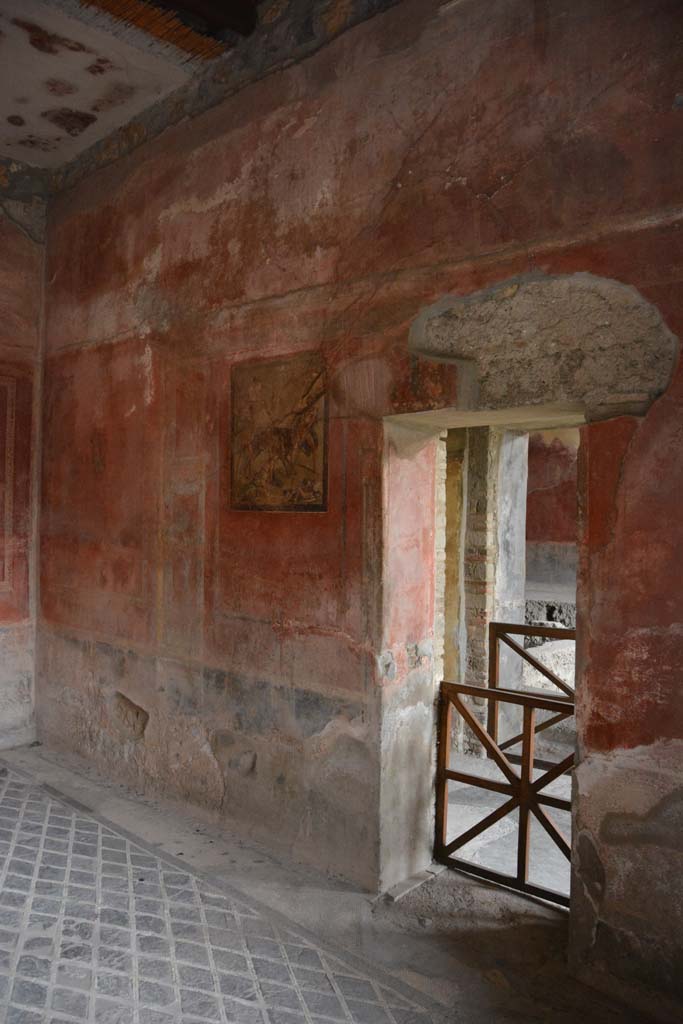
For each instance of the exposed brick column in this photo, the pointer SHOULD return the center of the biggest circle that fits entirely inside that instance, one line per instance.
(481, 548)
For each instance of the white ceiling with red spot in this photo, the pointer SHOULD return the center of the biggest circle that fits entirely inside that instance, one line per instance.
(66, 83)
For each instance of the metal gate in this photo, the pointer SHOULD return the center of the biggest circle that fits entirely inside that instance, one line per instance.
(523, 787)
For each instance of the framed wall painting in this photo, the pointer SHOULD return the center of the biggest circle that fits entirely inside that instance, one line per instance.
(279, 435)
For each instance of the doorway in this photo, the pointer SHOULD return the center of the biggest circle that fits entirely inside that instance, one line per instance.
(506, 735)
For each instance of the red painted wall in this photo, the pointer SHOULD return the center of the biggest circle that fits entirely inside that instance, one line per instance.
(551, 511)
(21, 269)
(429, 151)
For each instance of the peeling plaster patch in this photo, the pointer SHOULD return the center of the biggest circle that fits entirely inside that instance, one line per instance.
(115, 95)
(147, 306)
(352, 729)
(387, 665)
(245, 764)
(217, 199)
(661, 826)
(152, 263)
(417, 715)
(58, 87)
(418, 653)
(306, 126)
(638, 777)
(35, 142)
(129, 717)
(101, 66)
(16, 687)
(230, 757)
(337, 16)
(590, 868)
(425, 648)
(48, 42)
(316, 714)
(30, 216)
(73, 122)
(148, 372)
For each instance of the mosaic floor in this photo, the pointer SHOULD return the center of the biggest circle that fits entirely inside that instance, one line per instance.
(95, 927)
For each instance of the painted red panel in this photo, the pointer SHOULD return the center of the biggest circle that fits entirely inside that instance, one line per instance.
(100, 517)
(410, 492)
(551, 513)
(16, 400)
(631, 578)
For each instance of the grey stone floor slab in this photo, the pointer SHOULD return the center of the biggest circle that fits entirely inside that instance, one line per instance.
(95, 927)
(496, 848)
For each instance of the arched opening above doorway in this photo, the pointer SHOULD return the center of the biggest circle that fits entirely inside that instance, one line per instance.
(575, 341)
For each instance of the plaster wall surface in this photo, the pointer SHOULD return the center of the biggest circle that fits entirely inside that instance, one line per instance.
(511, 525)
(501, 138)
(21, 274)
(410, 664)
(510, 562)
(629, 719)
(552, 514)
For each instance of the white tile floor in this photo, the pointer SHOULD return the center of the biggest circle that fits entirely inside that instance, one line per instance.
(94, 926)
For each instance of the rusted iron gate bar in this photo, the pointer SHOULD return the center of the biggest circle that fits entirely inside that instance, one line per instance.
(523, 791)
